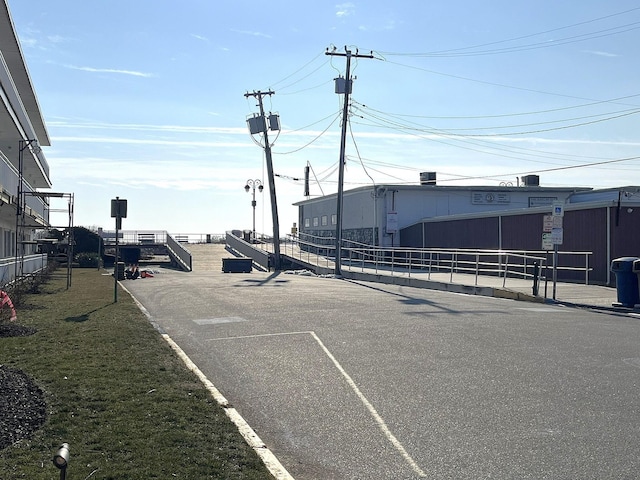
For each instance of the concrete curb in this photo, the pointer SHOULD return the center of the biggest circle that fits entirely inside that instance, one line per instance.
(513, 295)
(276, 469)
(442, 286)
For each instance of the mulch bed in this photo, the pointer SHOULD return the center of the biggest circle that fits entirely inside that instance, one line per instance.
(22, 405)
(15, 330)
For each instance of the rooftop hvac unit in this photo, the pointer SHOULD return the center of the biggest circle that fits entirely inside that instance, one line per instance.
(531, 180)
(427, 178)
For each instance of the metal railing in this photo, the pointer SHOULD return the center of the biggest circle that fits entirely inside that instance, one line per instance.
(31, 264)
(179, 252)
(259, 251)
(151, 237)
(160, 237)
(504, 264)
(135, 236)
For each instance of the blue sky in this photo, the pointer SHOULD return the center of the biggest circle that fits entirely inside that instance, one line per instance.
(145, 99)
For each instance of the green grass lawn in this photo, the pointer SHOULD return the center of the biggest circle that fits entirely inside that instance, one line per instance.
(116, 392)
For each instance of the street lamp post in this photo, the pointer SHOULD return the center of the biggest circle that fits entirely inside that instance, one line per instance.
(251, 185)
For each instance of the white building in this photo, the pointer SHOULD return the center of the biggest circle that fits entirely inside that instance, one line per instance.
(23, 167)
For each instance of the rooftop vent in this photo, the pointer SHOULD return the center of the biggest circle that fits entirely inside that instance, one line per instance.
(427, 178)
(531, 181)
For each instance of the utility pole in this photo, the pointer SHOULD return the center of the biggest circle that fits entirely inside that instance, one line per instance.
(259, 125)
(343, 140)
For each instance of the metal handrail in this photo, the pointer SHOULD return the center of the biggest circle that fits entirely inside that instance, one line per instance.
(179, 253)
(502, 263)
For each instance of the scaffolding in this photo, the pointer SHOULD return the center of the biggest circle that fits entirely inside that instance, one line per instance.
(70, 241)
(26, 222)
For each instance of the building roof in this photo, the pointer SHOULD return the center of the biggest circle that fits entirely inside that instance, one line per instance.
(450, 188)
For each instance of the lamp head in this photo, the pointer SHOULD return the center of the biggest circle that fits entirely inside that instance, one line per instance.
(261, 187)
(61, 458)
(247, 188)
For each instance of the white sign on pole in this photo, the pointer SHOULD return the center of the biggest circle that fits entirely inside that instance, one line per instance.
(547, 223)
(392, 222)
(547, 243)
(557, 236)
(556, 222)
(558, 209)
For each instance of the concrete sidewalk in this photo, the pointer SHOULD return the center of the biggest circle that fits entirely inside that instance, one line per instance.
(574, 294)
(593, 296)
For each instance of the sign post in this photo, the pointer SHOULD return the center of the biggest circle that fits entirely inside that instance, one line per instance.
(557, 235)
(118, 211)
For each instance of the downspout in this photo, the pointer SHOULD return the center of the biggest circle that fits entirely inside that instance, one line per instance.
(609, 245)
(374, 236)
(393, 209)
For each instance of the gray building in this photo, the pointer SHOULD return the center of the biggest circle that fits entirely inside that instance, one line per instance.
(605, 222)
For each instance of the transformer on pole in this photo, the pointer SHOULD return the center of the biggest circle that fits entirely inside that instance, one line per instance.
(258, 125)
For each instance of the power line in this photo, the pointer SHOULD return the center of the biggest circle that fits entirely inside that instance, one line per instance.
(458, 141)
(454, 51)
(515, 114)
(336, 116)
(546, 44)
(613, 115)
(493, 84)
(299, 70)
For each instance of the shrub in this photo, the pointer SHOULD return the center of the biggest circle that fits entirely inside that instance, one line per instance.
(88, 260)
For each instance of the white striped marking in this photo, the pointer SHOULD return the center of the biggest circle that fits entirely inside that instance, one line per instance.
(250, 436)
(374, 413)
(217, 321)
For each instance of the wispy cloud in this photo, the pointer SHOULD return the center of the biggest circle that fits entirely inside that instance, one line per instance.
(116, 71)
(28, 42)
(158, 142)
(200, 37)
(35, 39)
(76, 125)
(391, 25)
(57, 39)
(251, 33)
(601, 53)
(345, 9)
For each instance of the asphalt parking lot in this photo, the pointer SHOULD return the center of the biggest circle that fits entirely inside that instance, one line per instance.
(347, 379)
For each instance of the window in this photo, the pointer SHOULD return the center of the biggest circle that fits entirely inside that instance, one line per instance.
(334, 219)
(315, 221)
(307, 222)
(323, 220)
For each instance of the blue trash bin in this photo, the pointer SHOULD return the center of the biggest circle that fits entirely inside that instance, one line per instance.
(626, 281)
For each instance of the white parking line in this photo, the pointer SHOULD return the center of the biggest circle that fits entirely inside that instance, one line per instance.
(374, 413)
(250, 436)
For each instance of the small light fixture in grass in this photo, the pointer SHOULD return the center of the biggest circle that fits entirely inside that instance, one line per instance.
(61, 460)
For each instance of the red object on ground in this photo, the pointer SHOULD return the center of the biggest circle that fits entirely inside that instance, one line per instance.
(5, 300)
